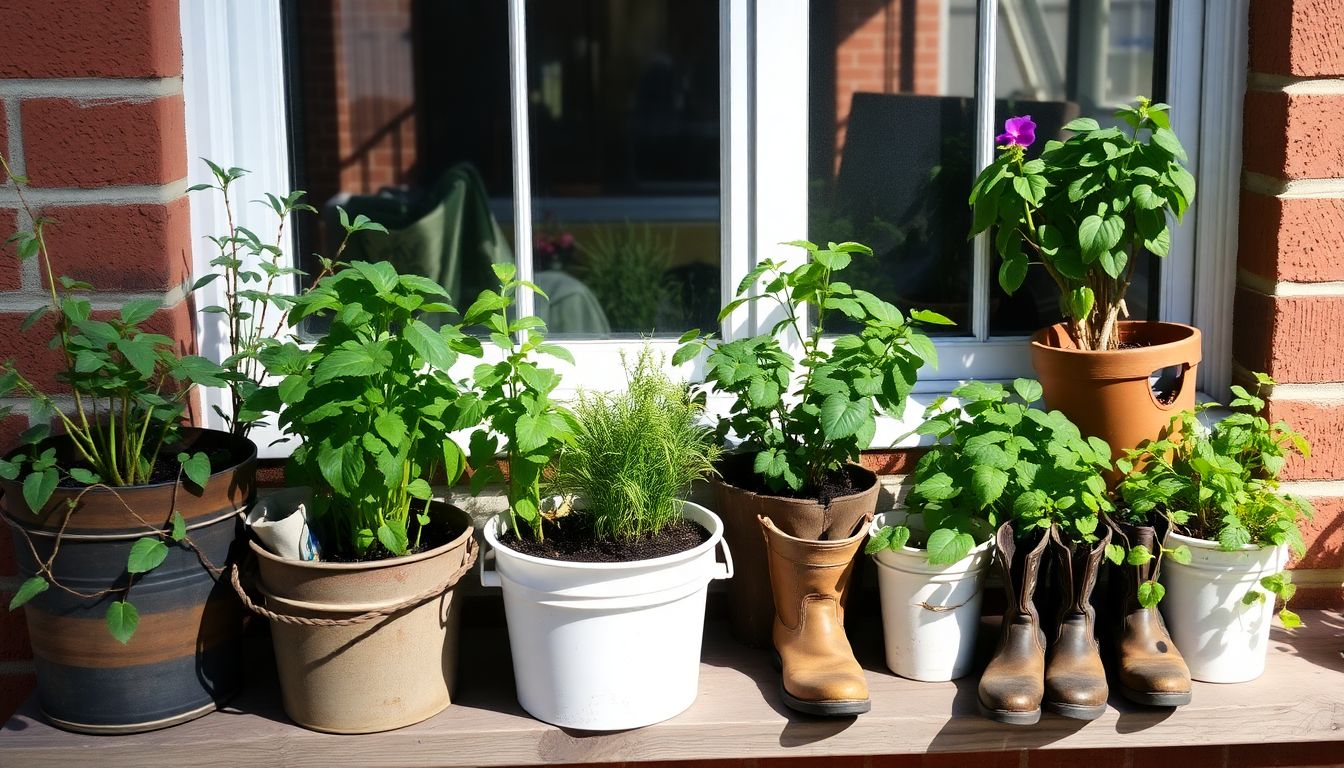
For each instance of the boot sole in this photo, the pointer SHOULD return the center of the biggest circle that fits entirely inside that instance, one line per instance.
(826, 708)
(1011, 717)
(1156, 699)
(1075, 711)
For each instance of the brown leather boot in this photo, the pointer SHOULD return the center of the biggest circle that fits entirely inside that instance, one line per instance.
(809, 580)
(1151, 670)
(1075, 680)
(1013, 684)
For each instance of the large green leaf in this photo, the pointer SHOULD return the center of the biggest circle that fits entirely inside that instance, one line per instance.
(987, 484)
(140, 354)
(38, 487)
(1097, 235)
(532, 432)
(147, 553)
(122, 619)
(938, 487)
(430, 345)
(137, 311)
(30, 588)
(196, 467)
(363, 361)
(947, 546)
(381, 275)
(842, 417)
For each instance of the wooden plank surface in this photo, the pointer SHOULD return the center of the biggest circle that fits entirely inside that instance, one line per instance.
(737, 715)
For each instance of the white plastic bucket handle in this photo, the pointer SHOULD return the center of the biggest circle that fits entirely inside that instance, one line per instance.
(724, 570)
(489, 578)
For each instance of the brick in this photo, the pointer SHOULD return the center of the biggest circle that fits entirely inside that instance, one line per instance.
(1322, 597)
(122, 247)
(1210, 756)
(1302, 755)
(892, 462)
(40, 364)
(11, 271)
(1323, 536)
(1294, 136)
(10, 428)
(1292, 338)
(1304, 38)
(69, 143)
(1299, 240)
(1323, 426)
(90, 38)
(14, 689)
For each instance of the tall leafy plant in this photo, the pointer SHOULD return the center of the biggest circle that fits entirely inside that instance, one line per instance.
(804, 419)
(1219, 484)
(515, 396)
(1086, 210)
(625, 268)
(373, 404)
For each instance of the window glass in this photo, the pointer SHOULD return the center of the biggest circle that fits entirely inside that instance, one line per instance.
(401, 112)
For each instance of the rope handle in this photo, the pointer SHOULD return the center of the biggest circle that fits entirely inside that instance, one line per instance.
(467, 563)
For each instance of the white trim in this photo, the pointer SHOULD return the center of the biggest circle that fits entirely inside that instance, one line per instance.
(735, 158)
(1294, 189)
(1219, 155)
(1185, 70)
(986, 80)
(522, 154)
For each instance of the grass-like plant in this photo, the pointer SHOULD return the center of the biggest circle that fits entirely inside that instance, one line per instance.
(625, 269)
(635, 453)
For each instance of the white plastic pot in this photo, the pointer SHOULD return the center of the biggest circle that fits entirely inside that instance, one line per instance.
(1223, 639)
(606, 646)
(930, 613)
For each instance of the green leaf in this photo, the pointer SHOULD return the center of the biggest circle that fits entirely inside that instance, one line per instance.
(842, 417)
(196, 467)
(531, 432)
(1027, 389)
(137, 311)
(140, 354)
(1080, 301)
(1138, 555)
(1012, 273)
(362, 361)
(1290, 620)
(1080, 124)
(122, 619)
(392, 538)
(381, 275)
(947, 546)
(1113, 263)
(504, 271)
(1180, 555)
(429, 344)
(930, 317)
(179, 526)
(292, 388)
(879, 541)
(987, 484)
(1115, 553)
(30, 588)
(1159, 244)
(84, 476)
(391, 428)
(1166, 139)
(1151, 593)
(1147, 199)
(938, 487)
(147, 553)
(419, 489)
(37, 489)
(1097, 235)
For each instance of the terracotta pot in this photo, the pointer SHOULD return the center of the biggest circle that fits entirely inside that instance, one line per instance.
(384, 673)
(1108, 394)
(752, 603)
(184, 659)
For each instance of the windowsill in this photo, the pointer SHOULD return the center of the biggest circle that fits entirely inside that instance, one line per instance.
(738, 714)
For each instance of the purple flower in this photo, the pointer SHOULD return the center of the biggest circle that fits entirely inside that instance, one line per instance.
(1017, 130)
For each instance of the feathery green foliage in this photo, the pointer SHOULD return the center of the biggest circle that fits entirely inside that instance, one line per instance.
(635, 453)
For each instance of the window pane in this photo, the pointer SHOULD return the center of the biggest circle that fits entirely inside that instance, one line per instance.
(1061, 60)
(624, 122)
(386, 124)
(891, 138)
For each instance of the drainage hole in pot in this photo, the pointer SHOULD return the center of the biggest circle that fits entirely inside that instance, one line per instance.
(1166, 383)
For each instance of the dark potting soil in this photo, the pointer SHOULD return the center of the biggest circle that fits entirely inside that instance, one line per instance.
(165, 469)
(573, 540)
(737, 470)
(436, 535)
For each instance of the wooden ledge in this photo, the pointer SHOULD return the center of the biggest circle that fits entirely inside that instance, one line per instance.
(738, 715)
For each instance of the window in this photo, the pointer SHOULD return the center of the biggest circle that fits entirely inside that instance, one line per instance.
(677, 142)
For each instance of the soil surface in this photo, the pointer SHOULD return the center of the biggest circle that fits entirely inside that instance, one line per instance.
(436, 535)
(573, 541)
(736, 470)
(165, 468)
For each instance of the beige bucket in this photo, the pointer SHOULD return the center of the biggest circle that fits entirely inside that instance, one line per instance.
(350, 660)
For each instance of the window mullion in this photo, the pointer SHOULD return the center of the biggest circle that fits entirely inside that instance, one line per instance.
(522, 166)
(735, 218)
(985, 73)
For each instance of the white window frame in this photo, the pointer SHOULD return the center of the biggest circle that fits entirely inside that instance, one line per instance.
(234, 86)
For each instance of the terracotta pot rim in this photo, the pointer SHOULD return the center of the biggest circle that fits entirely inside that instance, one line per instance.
(1191, 336)
(794, 500)
(371, 565)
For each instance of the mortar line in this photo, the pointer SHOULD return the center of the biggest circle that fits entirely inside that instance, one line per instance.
(1289, 84)
(94, 88)
(1289, 288)
(126, 194)
(1293, 189)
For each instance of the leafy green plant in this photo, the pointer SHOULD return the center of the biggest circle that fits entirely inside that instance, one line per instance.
(626, 270)
(373, 404)
(129, 393)
(999, 459)
(1219, 485)
(515, 397)
(803, 435)
(1085, 210)
(635, 453)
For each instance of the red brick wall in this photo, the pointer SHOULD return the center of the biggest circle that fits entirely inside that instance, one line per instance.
(1289, 313)
(91, 111)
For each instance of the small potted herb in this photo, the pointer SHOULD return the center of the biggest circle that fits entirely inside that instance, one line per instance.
(1230, 531)
(1088, 210)
(802, 423)
(122, 516)
(605, 595)
(372, 404)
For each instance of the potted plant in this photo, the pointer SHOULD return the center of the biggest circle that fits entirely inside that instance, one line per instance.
(605, 593)
(1230, 530)
(1088, 209)
(116, 498)
(802, 425)
(372, 404)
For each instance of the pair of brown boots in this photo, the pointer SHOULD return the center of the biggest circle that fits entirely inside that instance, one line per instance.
(1063, 671)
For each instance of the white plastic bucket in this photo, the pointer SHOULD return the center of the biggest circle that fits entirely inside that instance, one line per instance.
(1223, 639)
(606, 646)
(930, 613)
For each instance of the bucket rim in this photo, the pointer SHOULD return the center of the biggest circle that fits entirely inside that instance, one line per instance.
(967, 564)
(391, 562)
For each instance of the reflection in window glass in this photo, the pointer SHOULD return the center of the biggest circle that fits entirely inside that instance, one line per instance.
(891, 148)
(401, 111)
(1058, 60)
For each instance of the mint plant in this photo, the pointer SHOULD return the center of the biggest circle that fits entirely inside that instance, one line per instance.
(803, 432)
(1219, 485)
(514, 397)
(373, 404)
(1085, 210)
(635, 453)
(999, 459)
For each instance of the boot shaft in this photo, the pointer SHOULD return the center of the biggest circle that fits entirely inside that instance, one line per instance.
(808, 570)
